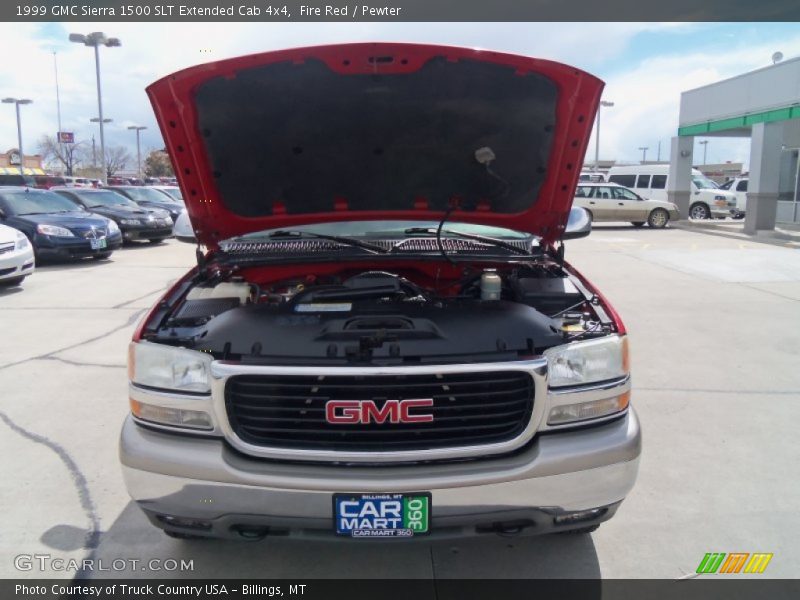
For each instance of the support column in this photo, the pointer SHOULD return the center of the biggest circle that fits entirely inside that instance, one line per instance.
(680, 173)
(762, 189)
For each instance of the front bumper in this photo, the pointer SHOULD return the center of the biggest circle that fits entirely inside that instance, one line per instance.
(17, 263)
(204, 487)
(132, 232)
(49, 247)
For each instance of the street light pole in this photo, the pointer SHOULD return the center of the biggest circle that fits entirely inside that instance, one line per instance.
(17, 102)
(704, 143)
(138, 128)
(644, 150)
(95, 40)
(102, 149)
(597, 134)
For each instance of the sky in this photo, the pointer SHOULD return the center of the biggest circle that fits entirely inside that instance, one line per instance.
(645, 66)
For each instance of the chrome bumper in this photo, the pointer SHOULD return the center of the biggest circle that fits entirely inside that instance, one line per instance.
(205, 479)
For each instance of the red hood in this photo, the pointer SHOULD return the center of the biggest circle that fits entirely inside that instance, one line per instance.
(374, 132)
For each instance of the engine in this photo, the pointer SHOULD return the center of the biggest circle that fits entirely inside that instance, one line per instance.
(381, 317)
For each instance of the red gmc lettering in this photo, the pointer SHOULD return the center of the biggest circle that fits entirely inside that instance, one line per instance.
(366, 411)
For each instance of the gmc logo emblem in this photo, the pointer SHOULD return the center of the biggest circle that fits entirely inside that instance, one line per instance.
(340, 412)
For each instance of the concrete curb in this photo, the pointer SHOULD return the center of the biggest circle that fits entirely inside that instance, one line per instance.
(772, 238)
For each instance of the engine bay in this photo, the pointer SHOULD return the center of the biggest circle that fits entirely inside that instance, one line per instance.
(396, 314)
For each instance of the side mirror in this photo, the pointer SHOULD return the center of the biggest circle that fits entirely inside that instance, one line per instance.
(579, 224)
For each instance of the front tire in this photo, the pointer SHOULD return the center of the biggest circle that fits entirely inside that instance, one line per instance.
(658, 218)
(699, 211)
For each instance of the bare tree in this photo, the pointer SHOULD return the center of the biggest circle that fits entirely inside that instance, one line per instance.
(71, 156)
(117, 158)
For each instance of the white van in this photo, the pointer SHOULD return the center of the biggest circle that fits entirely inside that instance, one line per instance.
(650, 181)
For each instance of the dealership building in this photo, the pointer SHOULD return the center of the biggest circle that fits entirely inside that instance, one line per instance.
(764, 106)
(9, 163)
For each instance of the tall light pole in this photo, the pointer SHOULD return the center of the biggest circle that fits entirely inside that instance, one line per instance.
(95, 40)
(102, 149)
(138, 128)
(17, 102)
(704, 143)
(58, 105)
(597, 134)
(644, 150)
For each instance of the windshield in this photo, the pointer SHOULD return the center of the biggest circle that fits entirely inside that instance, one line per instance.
(143, 194)
(25, 203)
(727, 185)
(174, 192)
(384, 229)
(704, 183)
(104, 198)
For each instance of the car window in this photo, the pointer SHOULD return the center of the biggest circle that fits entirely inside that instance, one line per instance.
(624, 194)
(103, 198)
(582, 192)
(727, 185)
(658, 182)
(643, 181)
(140, 194)
(603, 193)
(626, 180)
(741, 186)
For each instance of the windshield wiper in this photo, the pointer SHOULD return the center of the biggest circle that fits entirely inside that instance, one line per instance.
(470, 236)
(347, 241)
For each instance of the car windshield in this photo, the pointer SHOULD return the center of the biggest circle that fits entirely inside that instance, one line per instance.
(390, 229)
(104, 198)
(30, 202)
(174, 192)
(143, 194)
(704, 183)
(727, 185)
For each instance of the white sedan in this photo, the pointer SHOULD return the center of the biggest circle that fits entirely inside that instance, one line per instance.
(612, 202)
(16, 256)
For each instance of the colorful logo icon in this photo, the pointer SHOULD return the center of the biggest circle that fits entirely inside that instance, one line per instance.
(735, 562)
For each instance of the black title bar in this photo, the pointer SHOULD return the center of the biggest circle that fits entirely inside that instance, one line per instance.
(284, 11)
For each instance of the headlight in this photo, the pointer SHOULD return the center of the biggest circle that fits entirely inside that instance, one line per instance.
(169, 368)
(113, 227)
(22, 241)
(589, 361)
(54, 230)
(129, 221)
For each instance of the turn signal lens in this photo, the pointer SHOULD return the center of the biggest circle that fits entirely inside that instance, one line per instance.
(176, 417)
(583, 411)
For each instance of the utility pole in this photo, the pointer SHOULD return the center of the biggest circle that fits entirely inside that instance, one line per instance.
(597, 134)
(644, 150)
(704, 143)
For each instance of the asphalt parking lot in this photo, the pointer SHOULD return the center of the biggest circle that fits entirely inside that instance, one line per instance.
(715, 332)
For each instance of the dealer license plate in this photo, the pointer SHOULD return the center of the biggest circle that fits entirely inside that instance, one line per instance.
(98, 244)
(382, 515)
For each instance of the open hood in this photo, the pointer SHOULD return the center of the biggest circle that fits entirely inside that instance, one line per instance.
(376, 131)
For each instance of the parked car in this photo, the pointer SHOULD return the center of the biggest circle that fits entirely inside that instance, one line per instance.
(650, 181)
(78, 181)
(738, 186)
(136, 222)
(612, 202)
(18, 180)
(383, 339)
(57, 228)
(173, 191)
(45, 182)
(151, 198)
(591, 177)
(16, 256)
(183, 230)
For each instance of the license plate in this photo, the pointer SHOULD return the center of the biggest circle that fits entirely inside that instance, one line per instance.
(382, 515)
(98, 244)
